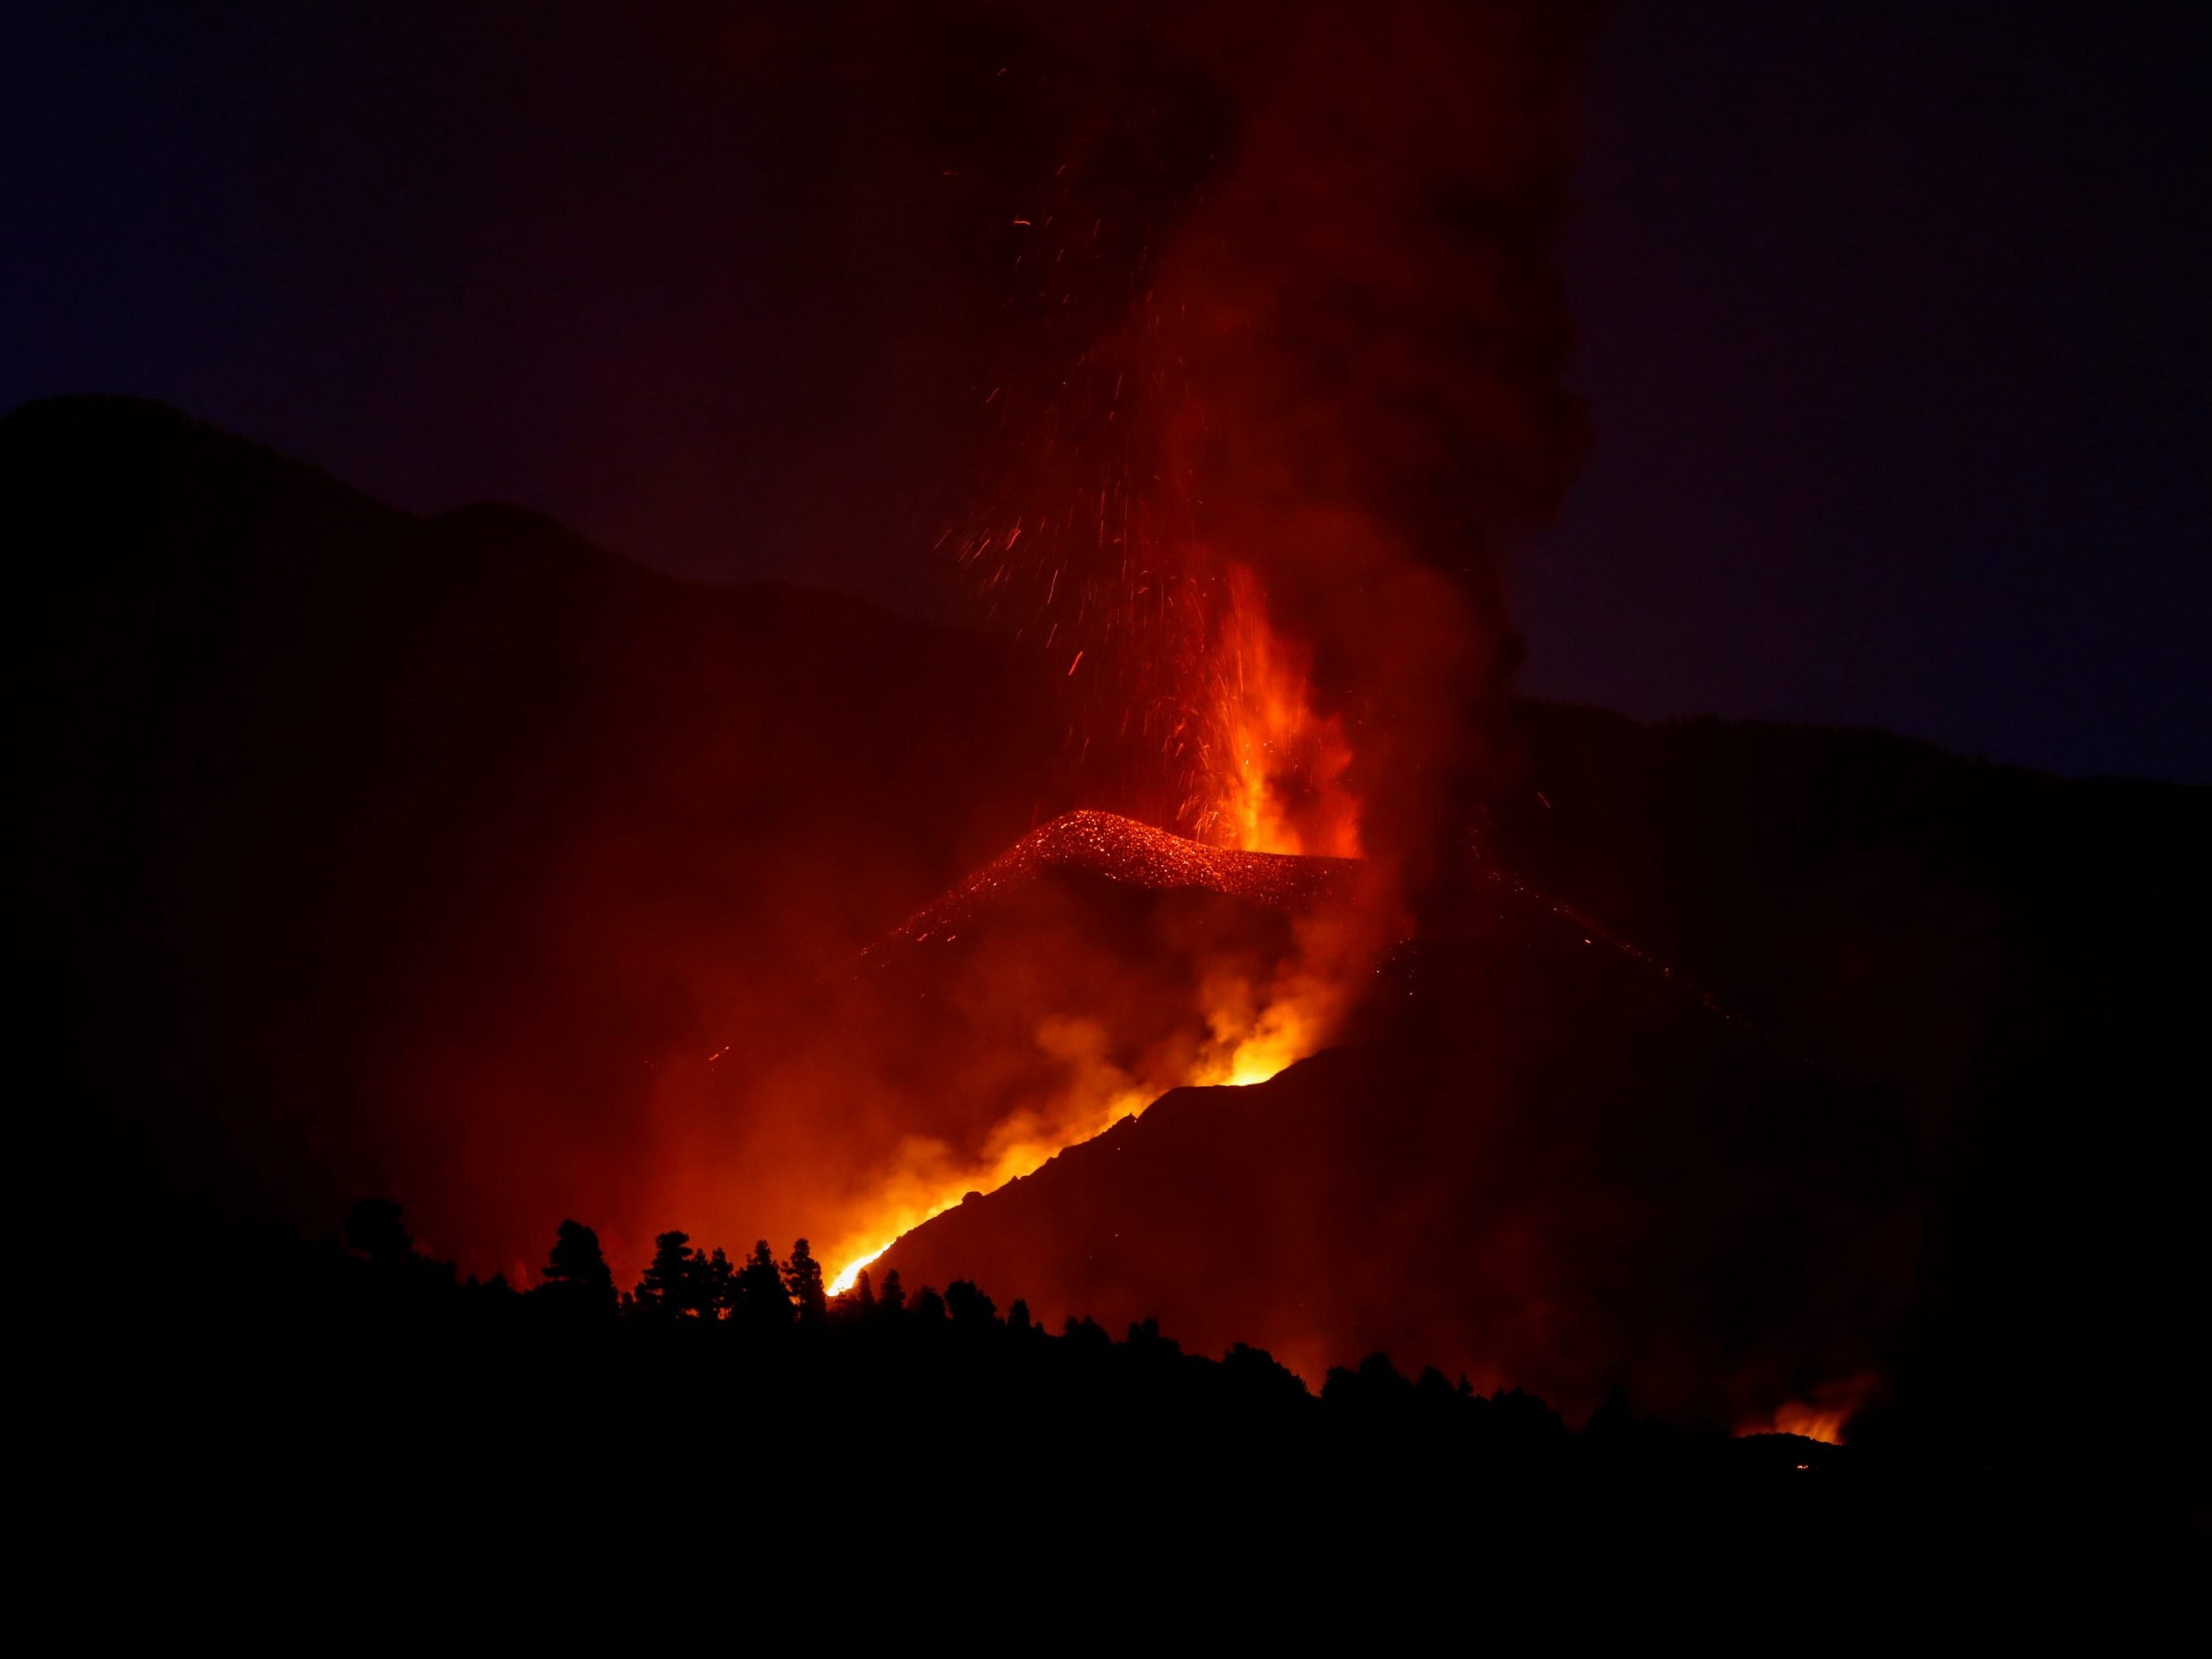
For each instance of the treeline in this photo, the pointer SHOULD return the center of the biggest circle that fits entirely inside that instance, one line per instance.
(353, 1368)
(764, 1325)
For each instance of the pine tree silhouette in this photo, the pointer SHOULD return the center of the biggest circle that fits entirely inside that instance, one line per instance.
(970, 1307)
(758, 1294)
(803, 1279)
(670, 1286)
(576, 1274)
(718, 1287)
(372, 1227)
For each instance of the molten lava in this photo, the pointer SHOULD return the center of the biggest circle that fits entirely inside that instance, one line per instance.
(1272, 769)
(1253, 1029)
(1271, 801)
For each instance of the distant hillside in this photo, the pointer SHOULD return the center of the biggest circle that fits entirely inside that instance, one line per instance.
(1739, 1059)
(2020, 959)
(384, 853)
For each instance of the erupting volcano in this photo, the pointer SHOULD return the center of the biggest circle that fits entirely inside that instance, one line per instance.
(1152, 910)
(1270, 574)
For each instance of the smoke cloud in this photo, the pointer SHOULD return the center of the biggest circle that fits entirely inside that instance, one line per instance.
(1273, 288)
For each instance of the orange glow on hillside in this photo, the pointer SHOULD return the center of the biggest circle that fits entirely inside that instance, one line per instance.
(1822, 1418)
(1811, 1423)
(1252, 1028)
(1252, 1040)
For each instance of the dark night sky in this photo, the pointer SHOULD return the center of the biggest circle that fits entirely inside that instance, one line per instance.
(1891, 322)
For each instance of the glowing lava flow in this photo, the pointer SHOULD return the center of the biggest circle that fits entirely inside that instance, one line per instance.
(1252, 1030)
(1279, 1035)
(1252, 1037)
(1271, 800)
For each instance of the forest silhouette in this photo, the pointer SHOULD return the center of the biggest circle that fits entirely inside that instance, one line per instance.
(353, 1362)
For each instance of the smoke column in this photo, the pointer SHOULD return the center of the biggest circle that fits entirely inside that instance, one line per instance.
(1276, 294)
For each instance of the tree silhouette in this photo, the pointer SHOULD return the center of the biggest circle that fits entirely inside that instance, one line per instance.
(894, 1294)
(717, 1286)
(970, 1308)
(1434, 1389)
(1374, 1435)
(758, 1295)
(1261, 1376)
(372, 1227)
(1145, 1334)
(576, 1274)
(864, 1294)
(803, 1279)
(670, 1287)
(1376, 1389)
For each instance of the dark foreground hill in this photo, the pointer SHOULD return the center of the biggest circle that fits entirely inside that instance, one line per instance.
(345, 1404)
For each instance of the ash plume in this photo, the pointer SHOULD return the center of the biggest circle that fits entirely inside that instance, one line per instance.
(1271, 287)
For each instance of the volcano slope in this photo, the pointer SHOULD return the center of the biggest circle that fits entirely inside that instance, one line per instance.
(1096, 964)
(1892, 1118)
(1536, 1158)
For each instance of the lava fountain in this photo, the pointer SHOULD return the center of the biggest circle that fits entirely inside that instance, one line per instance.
(1272, 771)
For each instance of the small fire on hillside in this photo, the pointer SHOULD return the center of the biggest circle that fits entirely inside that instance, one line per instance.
(1825, 1416)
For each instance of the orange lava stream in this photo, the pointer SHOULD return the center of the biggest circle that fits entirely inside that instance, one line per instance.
(1249, 1046)
(1272, 782)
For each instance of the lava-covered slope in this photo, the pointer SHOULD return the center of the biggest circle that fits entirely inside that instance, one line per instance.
(1536, 1158)
(1897, 1092)
(1095, 964)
